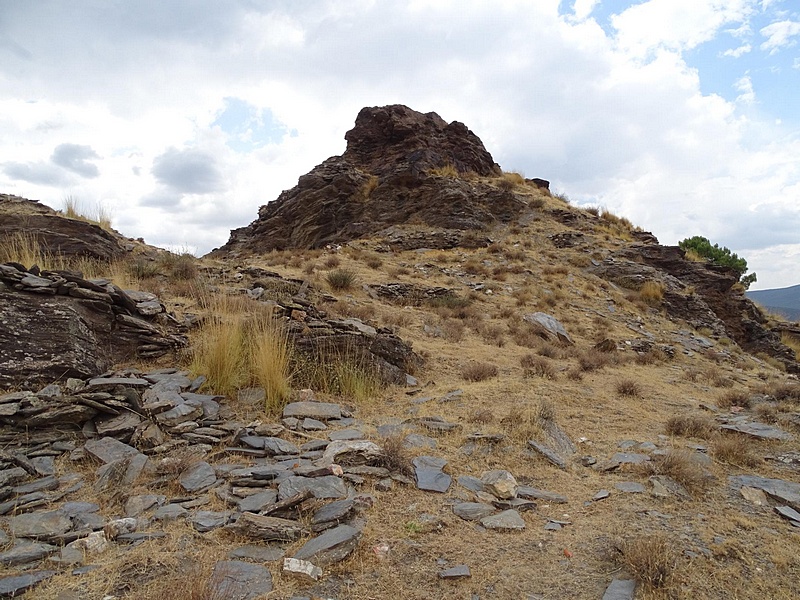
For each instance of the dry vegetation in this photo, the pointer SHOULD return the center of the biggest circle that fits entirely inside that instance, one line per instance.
(516, 384)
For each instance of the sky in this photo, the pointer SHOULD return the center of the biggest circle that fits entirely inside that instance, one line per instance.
(181, 118)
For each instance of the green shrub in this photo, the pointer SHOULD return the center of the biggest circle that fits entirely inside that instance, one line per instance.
(701, 246)
(341, 279)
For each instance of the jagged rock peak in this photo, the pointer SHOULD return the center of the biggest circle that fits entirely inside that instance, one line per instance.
(400, 166)
(388, 139)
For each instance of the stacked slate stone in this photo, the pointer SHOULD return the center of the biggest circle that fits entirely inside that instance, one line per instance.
(154, 430)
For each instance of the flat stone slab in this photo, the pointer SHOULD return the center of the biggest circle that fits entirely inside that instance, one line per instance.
(601, 495)
(620, 589)
(333, 511)
(207, 520)
(24, 553)
(473, 511)
(40, 525)
(331, 547)
(429, 474)
(11, 587)
(328, 486)
(257, 553)
(629, 458)
(788, 513)
(323, 411)
(238, 580)
(258, 501)
(198, 477)
(630, 487)
(108, 449)
(346, 434)
(506, 520)
(759, 430)
(531, 493)
(456, 572)
(551, 455)
(783, 491)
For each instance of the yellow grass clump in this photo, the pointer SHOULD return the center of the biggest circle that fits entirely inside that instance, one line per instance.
(100, 215)
(242, 345)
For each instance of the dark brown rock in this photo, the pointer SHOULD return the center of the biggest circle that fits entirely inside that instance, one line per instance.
(386, 176)
(56, 233)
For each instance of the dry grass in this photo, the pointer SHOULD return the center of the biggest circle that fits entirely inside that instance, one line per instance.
(734, 398)
(693, 425)
(396, 456)
(652, 293)
(735, 449)
(479, 371)
(241, 344)
(341, 280)
(651, 560)
(682, 466)
(447, 170)
(537, 366)
(628, 388)
(592, 360)
(99, 216)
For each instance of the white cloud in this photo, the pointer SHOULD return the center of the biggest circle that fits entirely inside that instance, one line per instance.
(617, 119)
(583, 8)
(779, 35)
(739, 51)
(745, 85)
(675, 24)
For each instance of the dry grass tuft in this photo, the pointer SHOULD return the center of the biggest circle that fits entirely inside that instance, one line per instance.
(734, 398)
(537, 366)
(651, 559)
(697, 426)
(629, 388)
(448, 170)
(479, 371)
(100, 216)
(396, 456)
(592, 360)
(341, 280)
(735, 449)
(652, 292)
(240, 344)
(682, 466)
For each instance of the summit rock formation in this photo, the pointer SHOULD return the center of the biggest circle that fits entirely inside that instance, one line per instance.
(400, 167)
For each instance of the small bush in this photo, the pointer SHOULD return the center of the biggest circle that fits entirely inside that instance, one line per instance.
(482, 417)
(373, 261)
(396, 456)
(592, 360)
(651, 560)
(682, 466)
(448, 170)
(697, 426)
(331, 262)
(629, 388)
(734, 449)
(734, 398)
(652, 292)
(536, 366)
(341, 280)
(479, 371)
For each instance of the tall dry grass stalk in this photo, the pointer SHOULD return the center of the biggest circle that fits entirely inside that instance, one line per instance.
(241, 344)
(24, 248)
(100, 215)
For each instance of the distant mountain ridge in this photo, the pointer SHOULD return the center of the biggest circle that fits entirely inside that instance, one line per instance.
(782, 301)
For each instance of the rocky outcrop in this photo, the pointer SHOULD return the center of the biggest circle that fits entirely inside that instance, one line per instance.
(400, 167)
(57, 234)
(701, 294)
(55, 325)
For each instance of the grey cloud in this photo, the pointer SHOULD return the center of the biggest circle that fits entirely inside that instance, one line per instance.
(40, 173)
(163, 199)
(190, 171)
(75, 158)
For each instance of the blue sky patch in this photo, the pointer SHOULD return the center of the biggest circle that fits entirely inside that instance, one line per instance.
(249, 127)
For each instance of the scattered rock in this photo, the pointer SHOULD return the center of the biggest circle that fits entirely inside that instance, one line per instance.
(457, 572)
(331, 547)
(237, 580)
(620, 589)
(506, 520)
(429, 474)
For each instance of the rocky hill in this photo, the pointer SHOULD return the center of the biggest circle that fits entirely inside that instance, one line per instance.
(413, 376)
